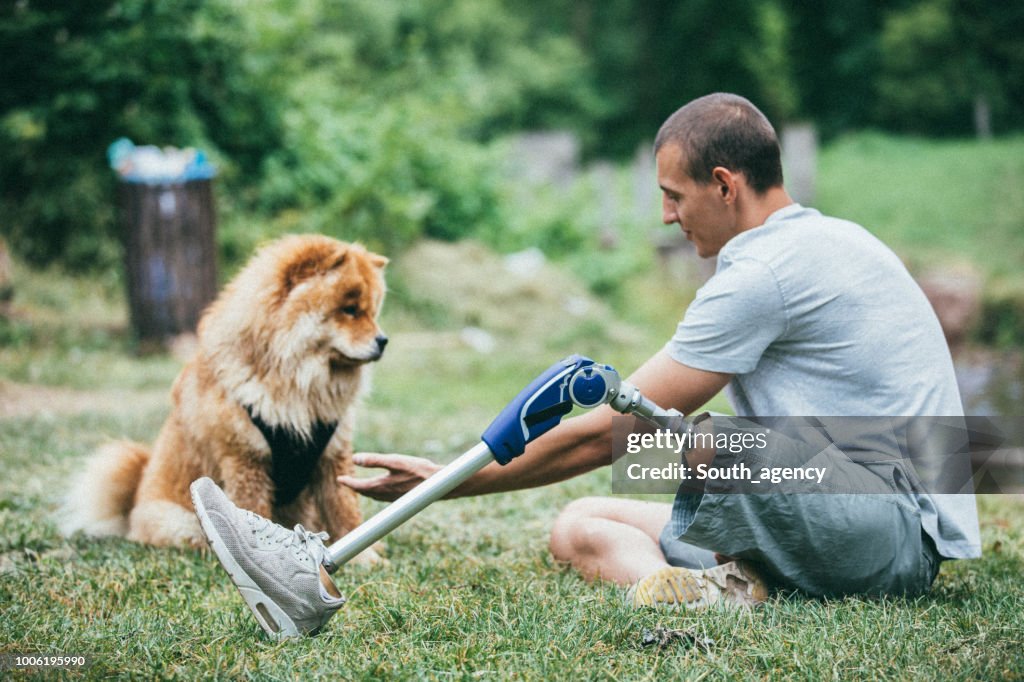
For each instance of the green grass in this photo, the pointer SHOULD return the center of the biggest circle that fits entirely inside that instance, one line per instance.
(71, 331)
(952, 208)
(471, 591)
(935, 202)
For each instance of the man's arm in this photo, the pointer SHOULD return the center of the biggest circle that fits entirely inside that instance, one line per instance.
(574, 447)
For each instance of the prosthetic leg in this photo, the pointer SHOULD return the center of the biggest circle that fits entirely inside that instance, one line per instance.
(575, 381)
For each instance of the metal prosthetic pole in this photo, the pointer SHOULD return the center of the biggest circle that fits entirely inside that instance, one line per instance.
(407, 506)
(575, 381)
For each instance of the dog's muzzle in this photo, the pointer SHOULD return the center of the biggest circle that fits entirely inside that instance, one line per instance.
(340, 359)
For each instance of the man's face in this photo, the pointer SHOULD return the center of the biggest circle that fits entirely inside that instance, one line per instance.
(700, 209)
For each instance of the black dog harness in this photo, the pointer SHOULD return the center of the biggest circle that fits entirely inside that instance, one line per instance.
(292, 455)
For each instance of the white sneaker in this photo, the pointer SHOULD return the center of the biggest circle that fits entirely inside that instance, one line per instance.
(276, 570)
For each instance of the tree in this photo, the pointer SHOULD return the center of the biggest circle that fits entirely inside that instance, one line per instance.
(928, 78)
(77, 76)
(392, 107)
(649, 58)
(995, 33)
(365, 117)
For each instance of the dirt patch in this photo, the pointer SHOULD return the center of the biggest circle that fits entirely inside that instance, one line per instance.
(28, 400)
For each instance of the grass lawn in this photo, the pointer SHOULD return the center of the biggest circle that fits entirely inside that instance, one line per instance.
(470, 591)
(934, 202)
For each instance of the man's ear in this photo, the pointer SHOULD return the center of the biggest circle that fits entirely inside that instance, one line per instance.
(726, 182)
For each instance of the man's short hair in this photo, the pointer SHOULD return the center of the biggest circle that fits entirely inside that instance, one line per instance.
(725, 130)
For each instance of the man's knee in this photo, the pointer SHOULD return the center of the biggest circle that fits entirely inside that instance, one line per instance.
(572, 527)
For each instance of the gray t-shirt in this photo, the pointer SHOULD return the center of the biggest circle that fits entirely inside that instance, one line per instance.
(814, 316)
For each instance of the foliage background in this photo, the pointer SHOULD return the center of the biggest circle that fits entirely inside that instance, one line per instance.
(389, 121)
(382, 115)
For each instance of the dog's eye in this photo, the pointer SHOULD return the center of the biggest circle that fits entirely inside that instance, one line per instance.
(351, 310)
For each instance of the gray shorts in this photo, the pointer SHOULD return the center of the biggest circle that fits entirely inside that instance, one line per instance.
(823, 544)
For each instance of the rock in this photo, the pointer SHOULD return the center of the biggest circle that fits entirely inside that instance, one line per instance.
(526, 264)
(546, 157)
(478, 339)
(955, 294)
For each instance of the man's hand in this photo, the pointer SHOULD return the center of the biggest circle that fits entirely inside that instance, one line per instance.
(404, 474)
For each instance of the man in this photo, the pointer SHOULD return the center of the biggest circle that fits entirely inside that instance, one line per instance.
(805, 315)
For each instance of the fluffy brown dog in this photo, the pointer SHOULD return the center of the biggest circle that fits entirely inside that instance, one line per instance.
(264, 407)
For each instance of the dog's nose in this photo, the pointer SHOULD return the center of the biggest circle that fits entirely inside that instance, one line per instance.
(382, 342)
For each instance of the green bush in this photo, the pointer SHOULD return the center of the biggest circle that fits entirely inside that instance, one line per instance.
(1001, 322)
(392, 106)
(79, 75)
(366, 119)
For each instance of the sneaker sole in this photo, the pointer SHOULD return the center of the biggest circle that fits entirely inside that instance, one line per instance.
(731, 585)
(687, 588)
(275, 622)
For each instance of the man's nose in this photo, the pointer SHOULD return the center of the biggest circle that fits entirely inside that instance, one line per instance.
(668, 211)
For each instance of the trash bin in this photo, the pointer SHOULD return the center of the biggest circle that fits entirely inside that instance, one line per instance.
(168, 232)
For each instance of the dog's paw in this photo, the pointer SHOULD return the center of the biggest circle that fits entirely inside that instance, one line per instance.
(165, 524)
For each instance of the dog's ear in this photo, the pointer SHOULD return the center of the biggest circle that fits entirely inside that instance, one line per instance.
(299, 270)
(378, 261)
(314, 261)
(338, 260)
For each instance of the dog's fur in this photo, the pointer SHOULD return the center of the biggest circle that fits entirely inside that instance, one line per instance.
(287, 342)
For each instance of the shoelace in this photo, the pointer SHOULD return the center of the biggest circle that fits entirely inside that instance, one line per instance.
(298, 538)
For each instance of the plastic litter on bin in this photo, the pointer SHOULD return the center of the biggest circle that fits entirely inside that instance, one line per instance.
(156, 166)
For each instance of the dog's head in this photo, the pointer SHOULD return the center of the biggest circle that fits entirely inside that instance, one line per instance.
(291, 332)
(328, 296)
